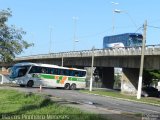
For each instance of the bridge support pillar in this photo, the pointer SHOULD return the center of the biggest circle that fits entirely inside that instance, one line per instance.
(4, 69)
(129, 81)
(108, 77)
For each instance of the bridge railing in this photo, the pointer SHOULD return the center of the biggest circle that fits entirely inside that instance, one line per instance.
(126, 51)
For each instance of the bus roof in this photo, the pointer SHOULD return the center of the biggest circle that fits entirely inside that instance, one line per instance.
(45, 65)
(125, 34)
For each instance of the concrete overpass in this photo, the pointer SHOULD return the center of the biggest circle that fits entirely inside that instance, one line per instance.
(105, 60)
(118, 57)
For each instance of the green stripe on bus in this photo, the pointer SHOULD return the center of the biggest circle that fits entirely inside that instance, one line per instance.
(47, 76)
(76, 79)
(58, 81)
(60, 78)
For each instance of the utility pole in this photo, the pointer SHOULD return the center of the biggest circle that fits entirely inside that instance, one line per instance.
(91, 79)
(142, 61)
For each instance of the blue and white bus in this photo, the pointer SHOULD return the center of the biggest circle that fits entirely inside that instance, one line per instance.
(36, 74)
(123, 40)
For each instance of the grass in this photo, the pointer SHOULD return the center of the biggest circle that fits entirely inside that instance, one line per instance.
(18, 105)
(118, 94)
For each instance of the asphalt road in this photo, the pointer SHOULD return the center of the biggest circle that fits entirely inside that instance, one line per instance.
(95, 103)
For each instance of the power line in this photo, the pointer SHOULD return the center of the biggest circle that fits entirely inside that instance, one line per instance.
(138, 29)
(96, 34)
(153, 26)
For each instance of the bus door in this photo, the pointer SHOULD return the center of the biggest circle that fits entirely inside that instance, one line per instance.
(34, 74)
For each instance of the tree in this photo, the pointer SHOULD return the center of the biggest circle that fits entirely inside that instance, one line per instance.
(155, 74)
(151, 77)
(155, 77)
(147, 78)
(11, 38)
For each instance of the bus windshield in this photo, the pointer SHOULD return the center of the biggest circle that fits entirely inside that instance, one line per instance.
(18, 71)
(136, 40)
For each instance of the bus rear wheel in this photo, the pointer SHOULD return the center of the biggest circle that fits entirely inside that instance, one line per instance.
(73, 86)
(67, 86)
(22, 85)
(30, 83)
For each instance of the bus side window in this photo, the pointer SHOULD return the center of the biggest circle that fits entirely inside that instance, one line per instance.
(77, 73)
(55, 71)
(83, 73)
(33, 69)
(66, 72)
(38, 69)
(47, 70)
(71, 73)
(52, 71)
(44, 70)
(61, 71)
(80, 73)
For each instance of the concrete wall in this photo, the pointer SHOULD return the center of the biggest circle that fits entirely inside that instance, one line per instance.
(130, 80)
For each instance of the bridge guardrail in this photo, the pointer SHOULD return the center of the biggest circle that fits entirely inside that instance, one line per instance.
(126, 51)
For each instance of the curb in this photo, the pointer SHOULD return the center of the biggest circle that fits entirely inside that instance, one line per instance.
(124, 99)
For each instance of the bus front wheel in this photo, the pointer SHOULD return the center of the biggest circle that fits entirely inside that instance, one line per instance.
(67, 86)
(30, 83)
(73, 86)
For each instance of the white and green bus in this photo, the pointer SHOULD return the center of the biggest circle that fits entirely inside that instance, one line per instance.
(46, 75)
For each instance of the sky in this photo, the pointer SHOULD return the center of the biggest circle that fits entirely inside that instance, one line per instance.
(52, 27)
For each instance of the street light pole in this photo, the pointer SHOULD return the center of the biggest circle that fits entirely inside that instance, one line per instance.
(75, 30)
(113, 16)
(142, 61)
(33, 43)
(113, 22)
(50, 40)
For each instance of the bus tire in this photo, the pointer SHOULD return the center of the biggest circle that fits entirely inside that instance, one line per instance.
(73, 86)
(67, 86)
(22, 85)
(30, 83)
